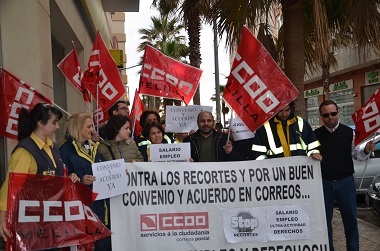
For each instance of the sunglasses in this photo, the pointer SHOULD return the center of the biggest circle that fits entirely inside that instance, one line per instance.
(333, 114)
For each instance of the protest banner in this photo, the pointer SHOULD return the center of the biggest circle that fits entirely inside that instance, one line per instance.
(16, 94)
(50, 211)
(137, 109)
(239, 130)
(367, 119)
(256, 88)
(71, 69)
(170, 152)
(111, 178)
(100, 117)
(102, 78)
(274, 204)
(183, 118)
(166, 77)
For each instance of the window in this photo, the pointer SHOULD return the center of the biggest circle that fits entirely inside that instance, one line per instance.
(345, 102)
(313, 111)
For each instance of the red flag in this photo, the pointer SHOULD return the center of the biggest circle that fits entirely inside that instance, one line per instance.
(165, 77)
(15, 94)
(70, 68)
(257, 89)
(50, 211)
(103, 76)
(100, 116)
(136, 111)
(367, 119)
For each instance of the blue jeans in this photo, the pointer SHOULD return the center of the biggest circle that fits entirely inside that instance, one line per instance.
(344, 192)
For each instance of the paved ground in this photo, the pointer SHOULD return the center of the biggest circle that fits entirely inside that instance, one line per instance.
(369, 234)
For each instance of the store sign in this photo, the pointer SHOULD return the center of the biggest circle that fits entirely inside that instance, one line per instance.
(313, 92)
(340, 86)
(117, 55)
(372, 77)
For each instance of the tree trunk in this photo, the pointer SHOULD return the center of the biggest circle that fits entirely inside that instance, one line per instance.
(326, 80)
(294, 61)
(193, 26)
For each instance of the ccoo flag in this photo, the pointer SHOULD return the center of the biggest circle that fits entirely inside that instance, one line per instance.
(257, 89)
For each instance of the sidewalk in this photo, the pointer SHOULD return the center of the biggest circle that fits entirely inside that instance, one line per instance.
(369, 234)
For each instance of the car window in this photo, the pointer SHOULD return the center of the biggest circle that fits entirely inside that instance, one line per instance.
(377, 151)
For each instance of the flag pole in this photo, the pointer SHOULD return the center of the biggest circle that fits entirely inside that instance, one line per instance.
(229, 127)
(60, 108)
(97, 104)
(134, 116)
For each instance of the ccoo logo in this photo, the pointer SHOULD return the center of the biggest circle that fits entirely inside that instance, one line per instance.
(148, 222)
(174, 221)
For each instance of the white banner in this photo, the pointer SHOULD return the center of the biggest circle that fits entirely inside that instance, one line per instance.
(239, 130)
(274, 204)
(183, 118)
(111, 178)
(170, 152)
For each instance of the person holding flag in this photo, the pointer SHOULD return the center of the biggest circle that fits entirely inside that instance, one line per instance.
(208, 145)
(285, 135)
(35, 153)
(338, 150)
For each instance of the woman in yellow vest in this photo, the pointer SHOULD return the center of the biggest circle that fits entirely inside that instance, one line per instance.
(35, 153)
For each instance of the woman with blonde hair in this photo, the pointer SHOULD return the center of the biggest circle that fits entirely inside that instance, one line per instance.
(78, 153)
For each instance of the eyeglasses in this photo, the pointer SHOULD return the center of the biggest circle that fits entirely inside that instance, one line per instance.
(326, 115)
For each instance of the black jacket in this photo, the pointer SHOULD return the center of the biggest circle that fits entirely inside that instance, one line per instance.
(219, 140)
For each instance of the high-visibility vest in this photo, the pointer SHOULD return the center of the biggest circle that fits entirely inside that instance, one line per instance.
(274, 150)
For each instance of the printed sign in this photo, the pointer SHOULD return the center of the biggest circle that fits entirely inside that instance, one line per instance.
(274, 204)
(111, 178)
(170, 152)
(239, 130)
(340, 86)
(183, 118)
(372, 77)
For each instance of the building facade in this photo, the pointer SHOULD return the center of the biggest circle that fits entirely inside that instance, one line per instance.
(35, 35)
(352, 83)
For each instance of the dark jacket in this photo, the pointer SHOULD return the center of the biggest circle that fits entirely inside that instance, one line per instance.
(219, 141)
(78, 161)
(269, 139)
(44, 162)
(336, 148)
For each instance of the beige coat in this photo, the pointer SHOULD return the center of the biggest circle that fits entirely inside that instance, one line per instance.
(126, 149)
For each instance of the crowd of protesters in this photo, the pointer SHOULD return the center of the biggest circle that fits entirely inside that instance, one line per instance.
(282, 136)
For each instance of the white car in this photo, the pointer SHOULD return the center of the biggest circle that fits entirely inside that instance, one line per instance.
(370, 167)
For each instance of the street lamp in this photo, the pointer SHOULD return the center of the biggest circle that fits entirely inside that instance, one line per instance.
(216, 63)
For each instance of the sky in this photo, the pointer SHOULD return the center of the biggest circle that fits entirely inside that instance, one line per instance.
(135, 21)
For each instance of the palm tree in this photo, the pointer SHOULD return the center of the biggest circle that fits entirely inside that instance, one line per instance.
(191, 12)
(165, 34)
(327, 16)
